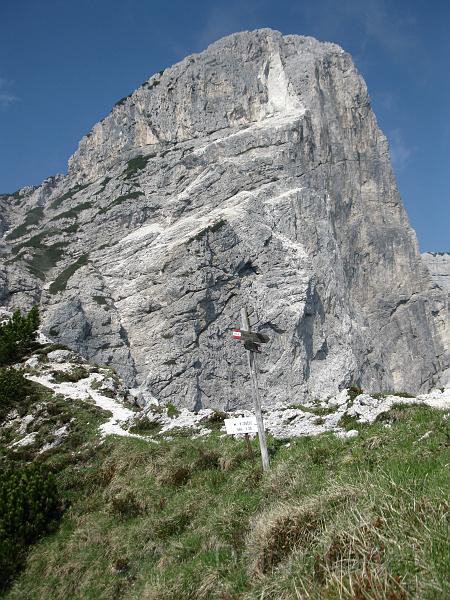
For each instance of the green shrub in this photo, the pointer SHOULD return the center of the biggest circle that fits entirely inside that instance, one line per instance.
(60, 283)
(57, 203)
(213, 227)
(100, 300)
(33, 217)
(121, 200)
(146, 426)
(172, 410)
(122, 100)
(18, 335)
(353, 392)
(28, 504)
(215, 420)
(134, 165)
(73, 376)
(14, 389)
(72, 212)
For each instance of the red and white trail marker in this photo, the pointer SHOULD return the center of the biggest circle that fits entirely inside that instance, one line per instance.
(236, 334)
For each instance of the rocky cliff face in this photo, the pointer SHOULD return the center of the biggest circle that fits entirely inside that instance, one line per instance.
(438, 264)
(251, 174)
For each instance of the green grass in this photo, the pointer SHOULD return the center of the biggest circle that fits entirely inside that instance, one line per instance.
(209, 229)
(121, 200)
(44, 256)
(320, 411)
(34, 215)
(73, 212)
(172, 410)
(74, 375)
(333, 518)
(100, 300)
(103, 185)
(77, 188)
(136, 164)
(60, 283)
(35, 241)
(72, 228)
(122, 100)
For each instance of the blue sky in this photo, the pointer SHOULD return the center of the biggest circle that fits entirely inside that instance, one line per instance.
(63, 64)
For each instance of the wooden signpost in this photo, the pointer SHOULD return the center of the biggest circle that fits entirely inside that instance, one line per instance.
(252, 341)
(243, 425)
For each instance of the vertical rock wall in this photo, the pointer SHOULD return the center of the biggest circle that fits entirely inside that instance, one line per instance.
(253, 173)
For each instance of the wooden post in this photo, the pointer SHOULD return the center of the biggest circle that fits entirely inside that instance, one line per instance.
(255, 392)
(249, 448)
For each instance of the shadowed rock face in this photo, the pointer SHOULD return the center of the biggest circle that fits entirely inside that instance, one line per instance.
(251, 174)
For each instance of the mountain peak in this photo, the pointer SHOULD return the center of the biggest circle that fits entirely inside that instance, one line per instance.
(251, 174)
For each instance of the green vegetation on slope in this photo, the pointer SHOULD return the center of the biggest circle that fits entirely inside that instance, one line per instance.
(77, 188)
(41, 256)
(35, 482)
(34, 215)
(121, 200)
(60, 283)
(28, 505)
(35, 241)
(15, 390)
(17, 335)
(136, 164)
(356, 518)
(73, 212)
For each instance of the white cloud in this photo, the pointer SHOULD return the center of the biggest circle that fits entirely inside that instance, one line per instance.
(234, 16)
(6, 96)
(391, 26)
(401, 152)
(387, 100)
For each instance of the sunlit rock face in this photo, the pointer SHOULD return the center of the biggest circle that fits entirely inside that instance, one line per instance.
(251, 174)
(438, 264)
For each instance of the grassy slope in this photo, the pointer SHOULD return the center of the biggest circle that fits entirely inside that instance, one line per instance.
(191, 519)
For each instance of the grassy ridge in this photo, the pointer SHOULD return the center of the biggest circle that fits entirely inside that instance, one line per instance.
(357, 518)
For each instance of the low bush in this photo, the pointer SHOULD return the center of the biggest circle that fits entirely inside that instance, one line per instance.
(28, 505)
(134, 165)
(73, 376)
(18, 335)
(354, 391)
(145, 425)
(14, 390)
(172, 410)
(215, 420)
(60, 283)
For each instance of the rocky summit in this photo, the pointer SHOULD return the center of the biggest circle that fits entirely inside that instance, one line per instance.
(252, 174)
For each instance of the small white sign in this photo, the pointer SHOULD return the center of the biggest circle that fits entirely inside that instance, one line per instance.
(241, 425)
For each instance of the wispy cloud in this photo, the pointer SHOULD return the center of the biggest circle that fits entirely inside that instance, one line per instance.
(234, 16)
(390, 25)
(6, 96)
(393, 32)
(387, 100)
(401, 151)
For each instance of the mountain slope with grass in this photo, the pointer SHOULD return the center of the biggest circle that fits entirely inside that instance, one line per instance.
(365, 517)
(101, 498)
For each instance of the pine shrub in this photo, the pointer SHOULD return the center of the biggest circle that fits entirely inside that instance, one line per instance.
(14, 389)
(28, 505)
(18, 335)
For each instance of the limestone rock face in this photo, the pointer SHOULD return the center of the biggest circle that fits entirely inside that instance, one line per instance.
(438, 264)
(252, 174)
